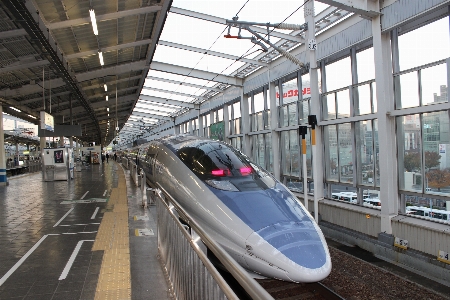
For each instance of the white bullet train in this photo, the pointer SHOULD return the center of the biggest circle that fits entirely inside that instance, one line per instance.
(255, 218)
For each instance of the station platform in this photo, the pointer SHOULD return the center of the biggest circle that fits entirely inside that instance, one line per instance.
(88, 238)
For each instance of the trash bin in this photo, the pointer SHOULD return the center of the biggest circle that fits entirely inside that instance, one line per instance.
(49, 174)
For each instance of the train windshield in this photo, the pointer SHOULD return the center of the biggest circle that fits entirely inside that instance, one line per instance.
(222, 166)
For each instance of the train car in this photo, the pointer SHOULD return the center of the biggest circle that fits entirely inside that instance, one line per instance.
(255, 218)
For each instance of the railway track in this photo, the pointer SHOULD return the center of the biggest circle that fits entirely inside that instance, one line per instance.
(283, 290)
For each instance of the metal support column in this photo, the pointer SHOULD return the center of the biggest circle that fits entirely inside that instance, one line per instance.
(386, 125)
(3, 179)
(200, 124)
(317, 154)
(273, 126)
(226, 122)
(245, 117)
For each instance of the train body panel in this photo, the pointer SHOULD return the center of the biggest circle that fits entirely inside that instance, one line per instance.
(256, 219)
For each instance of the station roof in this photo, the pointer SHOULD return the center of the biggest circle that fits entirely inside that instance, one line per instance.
(160, 58)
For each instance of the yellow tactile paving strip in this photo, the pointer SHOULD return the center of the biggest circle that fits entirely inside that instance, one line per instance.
(114, 281)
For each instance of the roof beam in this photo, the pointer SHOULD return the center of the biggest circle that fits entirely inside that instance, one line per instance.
(111, 83)
(365, 8)
(153, 110)
(174, 93)
(155, 104)
(99, 104)
(113, 70)
(32, 88)
(24, 64)
(166, 101)
(151, 116)
(212, 53)
(209, 18)
(12, 33)
(179, 70)
(107, 49)
(111, 16)
(204, 87)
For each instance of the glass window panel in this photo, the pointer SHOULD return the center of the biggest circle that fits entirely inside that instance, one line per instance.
(338, 74)
(413, 51)
(258, 101)
(290, 91)
(374, 97)
(364, 146)
(304, 111)
(220, 115)
(434, 84)
(285, 157)
(230, 108)
(292, 108)
(365, 65)
(364, 100)
(331, 150)
(266, 116)
(277, 95)
(409, 153)
(261, 150)
(295, 152)
(284, 116)
(345, 152)
(330, 101)
(255, 148)
(253, 122)
(306, 87)
(409, 90)
(436, 145)
(377, 153)
(237, 126)
(343, 104)
(260, 121)
(237, 110)
(269, 152)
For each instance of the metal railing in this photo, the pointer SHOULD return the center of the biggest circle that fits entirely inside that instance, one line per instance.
(191, 274)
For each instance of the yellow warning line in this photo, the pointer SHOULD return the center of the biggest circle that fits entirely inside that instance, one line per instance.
(114, 280)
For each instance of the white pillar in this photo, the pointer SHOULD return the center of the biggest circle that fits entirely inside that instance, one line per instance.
(317, 163)
(271, 93)
(200, 124)
(3, 178)
(226, 122)
(191, 131)
(386, 124)
(245, 117)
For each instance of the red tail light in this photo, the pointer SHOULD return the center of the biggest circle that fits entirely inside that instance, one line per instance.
(220, 173)
(246, 170)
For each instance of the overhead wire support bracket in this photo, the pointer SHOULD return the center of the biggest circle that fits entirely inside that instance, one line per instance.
(257, 38)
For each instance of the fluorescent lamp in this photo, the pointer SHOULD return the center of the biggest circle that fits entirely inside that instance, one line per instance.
(106, 97)
(107, 109)
(100, 56)
(15, 109)
(106, 87)
(108, 115)
(94, 21)
(32, 116)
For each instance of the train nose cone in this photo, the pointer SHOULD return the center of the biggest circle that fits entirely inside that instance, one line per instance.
(298, 241)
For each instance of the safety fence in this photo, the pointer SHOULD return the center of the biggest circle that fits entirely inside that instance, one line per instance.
(181, 248)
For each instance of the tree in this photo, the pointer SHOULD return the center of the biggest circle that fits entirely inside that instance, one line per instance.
(411, 161)
(432, 159)
(438, 178)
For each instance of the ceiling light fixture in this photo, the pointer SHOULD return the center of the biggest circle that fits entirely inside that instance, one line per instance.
(106, 97)
(107, 109)
(15, 109)
(32, 116)
(106, 87)
(93, 20)
(100, 56)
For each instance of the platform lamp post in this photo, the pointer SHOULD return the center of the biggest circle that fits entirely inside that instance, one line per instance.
(302, 130)
(312, 121)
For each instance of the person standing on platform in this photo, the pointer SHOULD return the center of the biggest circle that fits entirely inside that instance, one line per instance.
(107, 157)
(103, 158)
(115, 156)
